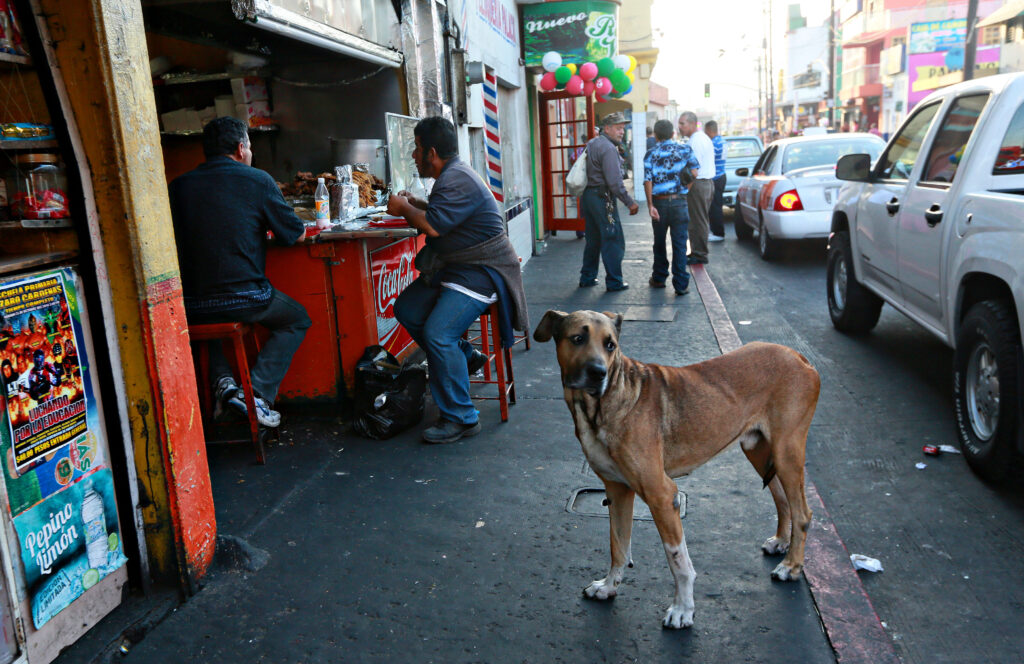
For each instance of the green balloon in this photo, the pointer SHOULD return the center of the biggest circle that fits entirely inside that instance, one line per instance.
(619, 80)
(563, 74)
(605, 67)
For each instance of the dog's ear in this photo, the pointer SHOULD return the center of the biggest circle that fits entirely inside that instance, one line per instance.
(618, 321)
(549, 326)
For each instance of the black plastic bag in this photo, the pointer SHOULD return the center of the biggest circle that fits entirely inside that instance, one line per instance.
(388, 397)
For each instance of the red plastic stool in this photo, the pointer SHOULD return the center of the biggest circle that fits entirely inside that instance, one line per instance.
(235, 334)
(489, 341)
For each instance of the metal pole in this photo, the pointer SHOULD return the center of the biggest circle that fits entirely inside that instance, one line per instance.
(760, 109)
(831, 63)
(771, 71)
(972, 39)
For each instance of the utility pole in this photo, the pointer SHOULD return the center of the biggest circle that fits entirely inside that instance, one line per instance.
(771, 72)
(760, 109)
(972, 39)
(832, 63)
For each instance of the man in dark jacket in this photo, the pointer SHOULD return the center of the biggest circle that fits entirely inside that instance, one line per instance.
(461, 221)
(605, 240)
(222, 211)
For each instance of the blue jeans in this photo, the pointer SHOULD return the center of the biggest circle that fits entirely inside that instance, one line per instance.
(287, 322)
(605, 239)
(436, 319)
(674, 218)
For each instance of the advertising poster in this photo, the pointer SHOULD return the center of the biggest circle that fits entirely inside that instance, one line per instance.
(69, 543)
(934, 36)
(50, 418)
(580, 30)
(392, 270)
(931, 71)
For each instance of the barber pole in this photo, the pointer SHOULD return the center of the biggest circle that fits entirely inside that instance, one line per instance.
(492, 135)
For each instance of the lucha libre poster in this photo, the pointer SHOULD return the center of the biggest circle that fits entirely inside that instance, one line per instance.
(46, 439)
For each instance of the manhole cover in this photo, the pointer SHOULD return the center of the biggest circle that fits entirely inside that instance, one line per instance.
(654, 314)
(589, 502)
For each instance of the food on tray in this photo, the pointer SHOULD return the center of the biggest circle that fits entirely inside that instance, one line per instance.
(305, 185)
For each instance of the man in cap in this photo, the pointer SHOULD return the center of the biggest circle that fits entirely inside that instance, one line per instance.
(605, 239)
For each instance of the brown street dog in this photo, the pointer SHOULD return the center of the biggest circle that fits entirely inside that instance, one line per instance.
(641, 425)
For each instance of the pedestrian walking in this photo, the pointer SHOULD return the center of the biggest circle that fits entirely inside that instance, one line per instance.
(715, 220)
(605, 240)
(651, 140)
(702, 190)
(468, 263)
(666, 202)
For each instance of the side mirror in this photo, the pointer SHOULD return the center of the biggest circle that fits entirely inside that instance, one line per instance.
(743, 172)
(854, 167)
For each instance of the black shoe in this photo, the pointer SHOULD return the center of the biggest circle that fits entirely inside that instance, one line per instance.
(446, 431)
(654, 283)
(476, 362)
(616, 289)
(588, 284)
(684, 291)
(694, 261)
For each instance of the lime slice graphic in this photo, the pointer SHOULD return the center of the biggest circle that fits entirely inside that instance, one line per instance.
(112, 542)
(90, 578)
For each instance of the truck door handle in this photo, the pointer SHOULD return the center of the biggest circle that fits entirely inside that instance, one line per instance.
(893, 206)
(933, 215)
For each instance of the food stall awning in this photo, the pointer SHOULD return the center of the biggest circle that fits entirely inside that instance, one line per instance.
(271, 16)
(872, 37)
(1007, 12)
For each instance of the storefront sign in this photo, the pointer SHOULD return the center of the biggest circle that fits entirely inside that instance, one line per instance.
(69, 543)
(580, 30)
(931, 71)
(392, 271)
(936, 36)
(490, 33)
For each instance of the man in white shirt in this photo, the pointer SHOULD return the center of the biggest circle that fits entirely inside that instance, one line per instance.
(701, 191)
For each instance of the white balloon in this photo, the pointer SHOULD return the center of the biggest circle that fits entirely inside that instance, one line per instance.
(552, 60)
(621, 62)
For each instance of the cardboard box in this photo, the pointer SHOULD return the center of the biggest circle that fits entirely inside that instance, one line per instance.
(181, 120)
(254, 114)
(225, 105)
(249, 89)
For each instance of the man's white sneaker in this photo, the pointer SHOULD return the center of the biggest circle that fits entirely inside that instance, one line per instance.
(264, 413)
(716, 238)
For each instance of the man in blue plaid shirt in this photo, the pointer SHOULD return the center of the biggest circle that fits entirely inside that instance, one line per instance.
(666, 202)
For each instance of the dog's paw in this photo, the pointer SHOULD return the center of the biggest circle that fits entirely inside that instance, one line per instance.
(601, 589)
(783, 572)
(677, 617)
(774, 546)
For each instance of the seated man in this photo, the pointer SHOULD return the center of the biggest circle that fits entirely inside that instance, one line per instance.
(472, 264)
(222, 211)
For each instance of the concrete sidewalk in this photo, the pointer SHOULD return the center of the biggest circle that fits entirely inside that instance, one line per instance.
(385, 551)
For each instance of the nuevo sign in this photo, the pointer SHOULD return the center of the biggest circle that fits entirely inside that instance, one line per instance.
(580, 30)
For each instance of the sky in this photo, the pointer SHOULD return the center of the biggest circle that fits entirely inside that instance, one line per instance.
(718, 42)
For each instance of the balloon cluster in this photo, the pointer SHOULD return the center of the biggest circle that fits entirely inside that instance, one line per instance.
(608, 78)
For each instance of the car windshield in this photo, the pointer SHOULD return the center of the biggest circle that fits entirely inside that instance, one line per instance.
(827, 153)
(741, 147)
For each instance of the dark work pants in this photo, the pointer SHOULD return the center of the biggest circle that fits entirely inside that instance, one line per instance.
(698, 200)
(715, 211)
(674, 219)
(287, 322)
(605, 240)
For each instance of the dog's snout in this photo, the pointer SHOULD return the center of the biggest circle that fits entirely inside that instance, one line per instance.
(596, 370)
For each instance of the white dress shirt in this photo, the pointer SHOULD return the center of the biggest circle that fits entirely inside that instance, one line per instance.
(704, 151)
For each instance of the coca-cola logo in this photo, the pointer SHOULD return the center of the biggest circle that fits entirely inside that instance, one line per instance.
(393, 281)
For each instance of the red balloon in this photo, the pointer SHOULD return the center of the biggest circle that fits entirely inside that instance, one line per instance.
(602, 86)
(599, 99)
(575, 85)
(548, 82)
(588, 71)
(588, 88)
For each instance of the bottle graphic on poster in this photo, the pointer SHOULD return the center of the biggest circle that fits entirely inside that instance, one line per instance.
(95, 527)
(322, 201)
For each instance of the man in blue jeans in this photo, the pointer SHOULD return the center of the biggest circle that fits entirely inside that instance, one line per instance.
(475, 266)
(222, 211)
(666, 202)
(605, 240)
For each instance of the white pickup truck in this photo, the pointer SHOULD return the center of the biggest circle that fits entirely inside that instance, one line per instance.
(935, 228)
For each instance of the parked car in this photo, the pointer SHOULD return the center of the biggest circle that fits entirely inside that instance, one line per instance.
(934, 229)
(740, 152)
(793, 185)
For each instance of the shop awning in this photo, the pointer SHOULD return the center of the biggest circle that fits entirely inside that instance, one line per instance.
(872, 37)
(1007, 12)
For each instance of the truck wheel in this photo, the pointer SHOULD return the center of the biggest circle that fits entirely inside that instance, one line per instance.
(766, 246)
(743, 230)
(985, 387)
(853, 308)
